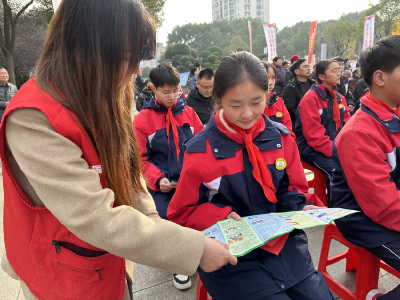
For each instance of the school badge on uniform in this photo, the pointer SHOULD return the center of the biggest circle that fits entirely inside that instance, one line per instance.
(341, 106)
(280, 164)
(279, 114)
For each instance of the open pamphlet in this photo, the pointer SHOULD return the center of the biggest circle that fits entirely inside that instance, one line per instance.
(254, 231)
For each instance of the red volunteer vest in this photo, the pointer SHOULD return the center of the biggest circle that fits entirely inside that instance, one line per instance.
(35, 239)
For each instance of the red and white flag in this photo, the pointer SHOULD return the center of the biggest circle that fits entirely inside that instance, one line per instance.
(270, 35)
(369, 27)
(311, 44)
(251, 40)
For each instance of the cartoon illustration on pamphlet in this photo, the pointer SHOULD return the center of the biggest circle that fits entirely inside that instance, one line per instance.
(254, 231)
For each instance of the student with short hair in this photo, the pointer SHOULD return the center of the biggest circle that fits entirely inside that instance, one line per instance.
(296, 89)
(200, 97)
(366, 175)
(194, 72)
(343, 85)
(320, 116)
(281, 74)
(275, 109)
(161, 128)
(231, 170)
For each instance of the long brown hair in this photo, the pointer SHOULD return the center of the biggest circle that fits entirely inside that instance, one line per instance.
(91, 48)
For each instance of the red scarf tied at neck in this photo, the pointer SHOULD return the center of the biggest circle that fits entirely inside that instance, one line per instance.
(169, 119)
(384, 105)
(260, 169)
(336, 110)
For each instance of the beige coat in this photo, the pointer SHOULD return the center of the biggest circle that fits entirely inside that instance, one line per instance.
(51, 171)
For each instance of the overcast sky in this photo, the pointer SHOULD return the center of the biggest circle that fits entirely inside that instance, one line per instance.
(283, 12)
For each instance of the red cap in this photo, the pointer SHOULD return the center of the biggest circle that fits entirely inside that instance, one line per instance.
(294, 58)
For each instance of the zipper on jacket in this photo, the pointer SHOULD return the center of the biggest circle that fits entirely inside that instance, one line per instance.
(57, 246)
(81, 270)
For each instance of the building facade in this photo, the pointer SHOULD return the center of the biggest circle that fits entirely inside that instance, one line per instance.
(236, 9)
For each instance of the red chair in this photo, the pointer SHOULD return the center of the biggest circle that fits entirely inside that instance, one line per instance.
(358, 259)
(201, 292)
(318, 183)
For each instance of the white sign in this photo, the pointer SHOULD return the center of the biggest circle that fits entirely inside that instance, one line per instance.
(265, 50)
(324, 48)
(270, 35)
(369, 26)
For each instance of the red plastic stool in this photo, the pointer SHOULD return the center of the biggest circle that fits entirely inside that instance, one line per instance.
(201, 292)
(318, 183)
(358, 259)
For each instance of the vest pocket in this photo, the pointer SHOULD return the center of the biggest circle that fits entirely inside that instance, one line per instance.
(68, 275)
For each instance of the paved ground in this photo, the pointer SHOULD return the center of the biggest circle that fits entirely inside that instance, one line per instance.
(154, 284)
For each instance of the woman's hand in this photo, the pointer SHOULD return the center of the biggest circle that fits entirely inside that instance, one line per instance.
(154, 216)
(309, 207)
(165, 185)
(234, 216)
(215, 256)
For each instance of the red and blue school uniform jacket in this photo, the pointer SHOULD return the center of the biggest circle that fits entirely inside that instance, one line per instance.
(367, 177)
(315, 127)
(159, 157)
(276, 111)
(217, 178)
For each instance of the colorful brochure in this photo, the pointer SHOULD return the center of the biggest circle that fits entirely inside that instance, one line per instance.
(252, 232)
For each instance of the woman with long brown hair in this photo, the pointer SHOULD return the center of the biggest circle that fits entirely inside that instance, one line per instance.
(75, 203)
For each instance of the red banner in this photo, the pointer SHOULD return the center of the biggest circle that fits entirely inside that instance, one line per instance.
(313, 33)
(251, 42)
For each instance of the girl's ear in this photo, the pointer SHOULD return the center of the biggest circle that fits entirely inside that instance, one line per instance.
(321, 77)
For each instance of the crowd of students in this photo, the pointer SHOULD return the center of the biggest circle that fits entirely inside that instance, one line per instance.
(229, 169)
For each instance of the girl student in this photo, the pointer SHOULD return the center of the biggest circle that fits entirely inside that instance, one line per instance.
(75, 203)
(320, 116)
(243, 164)
(276, 110)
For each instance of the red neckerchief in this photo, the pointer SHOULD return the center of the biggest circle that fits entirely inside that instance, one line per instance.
(336, 110)
(384, 105)
(169, 119)
(260, 169)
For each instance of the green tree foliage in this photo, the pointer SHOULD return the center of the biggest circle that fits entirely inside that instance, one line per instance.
(194, 53)
(237, 44)
(340, 35)
(181, 49)
(156, 9)
(204, 54)
(214, 49)
(259, 43)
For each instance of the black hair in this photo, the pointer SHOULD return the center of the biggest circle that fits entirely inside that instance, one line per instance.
(192, 71)
(285, 63)
(356, 71)
(346, 60)
(296, 65)
(236, 68)
(147, 82)
(267, 66)
(164, 74)
(322, 66)
(196, 65)
(338, 59)
(207, 74)
(276, 58)
(383, 56)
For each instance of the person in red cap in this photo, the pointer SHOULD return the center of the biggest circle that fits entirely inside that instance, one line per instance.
(289, 76)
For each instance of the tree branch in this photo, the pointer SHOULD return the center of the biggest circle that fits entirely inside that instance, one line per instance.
(14, 25)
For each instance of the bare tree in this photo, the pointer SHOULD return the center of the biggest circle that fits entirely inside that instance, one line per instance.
(11, 14)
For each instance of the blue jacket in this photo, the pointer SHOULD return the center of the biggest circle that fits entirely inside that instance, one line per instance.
(217, 178)
(315, 127)
(158, 156)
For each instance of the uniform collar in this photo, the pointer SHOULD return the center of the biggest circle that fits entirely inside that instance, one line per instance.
(222, 146)
(388, 120)
(320, 90)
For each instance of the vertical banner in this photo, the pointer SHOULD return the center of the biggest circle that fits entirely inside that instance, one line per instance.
(369, 27)
(311, 44)
(56, 4)
(270, 35)
(184, 78)
(324, 49)
(251, 41)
